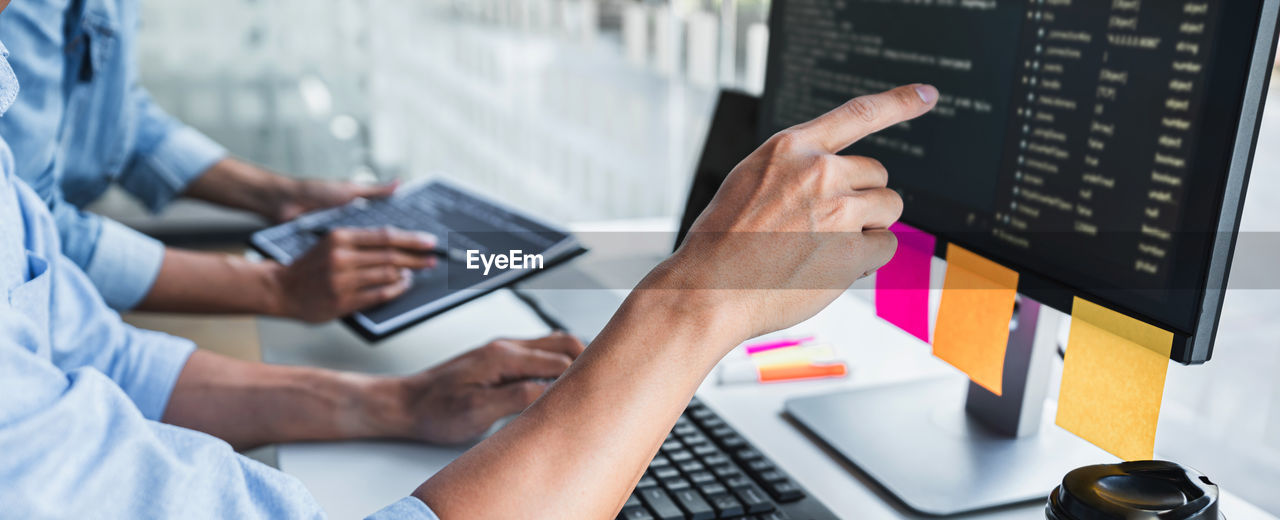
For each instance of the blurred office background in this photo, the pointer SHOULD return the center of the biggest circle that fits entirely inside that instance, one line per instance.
(587, 110)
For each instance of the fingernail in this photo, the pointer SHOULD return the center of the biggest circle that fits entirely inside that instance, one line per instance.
(927, 93)
(406, 277)
(427, 238)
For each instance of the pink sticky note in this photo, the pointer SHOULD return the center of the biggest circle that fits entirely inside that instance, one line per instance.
(902, 286)
(757, 348)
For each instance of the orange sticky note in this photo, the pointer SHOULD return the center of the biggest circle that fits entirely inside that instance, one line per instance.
(972, 332)
(1113, 380)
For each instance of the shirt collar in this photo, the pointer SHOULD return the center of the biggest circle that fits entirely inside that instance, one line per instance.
(8, 81)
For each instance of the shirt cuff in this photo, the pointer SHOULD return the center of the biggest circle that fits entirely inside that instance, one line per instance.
(406, 508)
(161, 360)
(166, 170)
(124, 265)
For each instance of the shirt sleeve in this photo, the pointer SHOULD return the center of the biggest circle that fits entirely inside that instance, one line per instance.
(167, 156)
(125, 269)
(85, 333)
(76, 447)
(82, 393)
(408, 508)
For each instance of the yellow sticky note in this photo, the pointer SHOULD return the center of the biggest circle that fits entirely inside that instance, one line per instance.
(972, 332)
(1113, 380)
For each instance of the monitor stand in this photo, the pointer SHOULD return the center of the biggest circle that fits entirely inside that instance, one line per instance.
(944, 454)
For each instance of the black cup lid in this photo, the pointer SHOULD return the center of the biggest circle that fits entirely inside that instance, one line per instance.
(1148, 490)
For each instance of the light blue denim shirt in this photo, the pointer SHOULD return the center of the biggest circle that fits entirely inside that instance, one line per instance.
(82, 394)
(84, 123)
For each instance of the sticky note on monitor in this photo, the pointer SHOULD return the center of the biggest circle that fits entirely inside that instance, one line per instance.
(902, 285)
(972, 332)
(1113, 380)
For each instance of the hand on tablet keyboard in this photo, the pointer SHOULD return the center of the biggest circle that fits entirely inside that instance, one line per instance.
(350, 269)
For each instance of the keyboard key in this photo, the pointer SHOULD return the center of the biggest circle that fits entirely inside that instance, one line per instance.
(733, 442)
(691, 439)
(704, 449)
(680, 456)
(759, 466)
(666, 472)
(672, 445)
(726, 471)
(774, 475)
(635, 513)
(647, 481)
(755, 500)
(715, 459)
(632, 501)
(693, 504)
(713, 488)
(701, 477)
(660, 503)
(692, 466)
(722, 432)
(738, 481)
(676, 484)
(659, 461)
(726, 505)
(712, 423)
(785, 491)
(774, 515)
(748, 454)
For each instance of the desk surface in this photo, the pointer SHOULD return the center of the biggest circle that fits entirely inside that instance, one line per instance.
(356, 478)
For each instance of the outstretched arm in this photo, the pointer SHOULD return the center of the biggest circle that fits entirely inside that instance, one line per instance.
(578, 451)
(250, 404)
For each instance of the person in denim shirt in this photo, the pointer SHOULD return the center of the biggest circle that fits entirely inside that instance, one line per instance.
(102, 420)
(84, 123)
(99, 419)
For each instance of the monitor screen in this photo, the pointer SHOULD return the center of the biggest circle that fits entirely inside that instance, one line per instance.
(1088, 144)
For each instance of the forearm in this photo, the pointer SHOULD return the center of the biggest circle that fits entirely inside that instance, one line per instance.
(611, 411)
(203, 282)
(251, 404)
(234, 183)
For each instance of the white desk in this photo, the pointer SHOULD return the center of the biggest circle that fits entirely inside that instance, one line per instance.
(354, 479)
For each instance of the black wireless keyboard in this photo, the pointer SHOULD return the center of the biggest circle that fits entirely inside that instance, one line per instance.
(706, 470)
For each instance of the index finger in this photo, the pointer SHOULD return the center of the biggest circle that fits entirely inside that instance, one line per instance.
(866, 115)
(384, 237)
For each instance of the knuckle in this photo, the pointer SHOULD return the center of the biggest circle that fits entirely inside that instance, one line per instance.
(530, 391)
(826, 168)
(787, 140)
(864, 109)
(340, 236)
(497, 347)
(895, 203)
(876, 169)
(338, 256)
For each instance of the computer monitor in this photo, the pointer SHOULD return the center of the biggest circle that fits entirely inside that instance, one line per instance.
(1099, 148)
